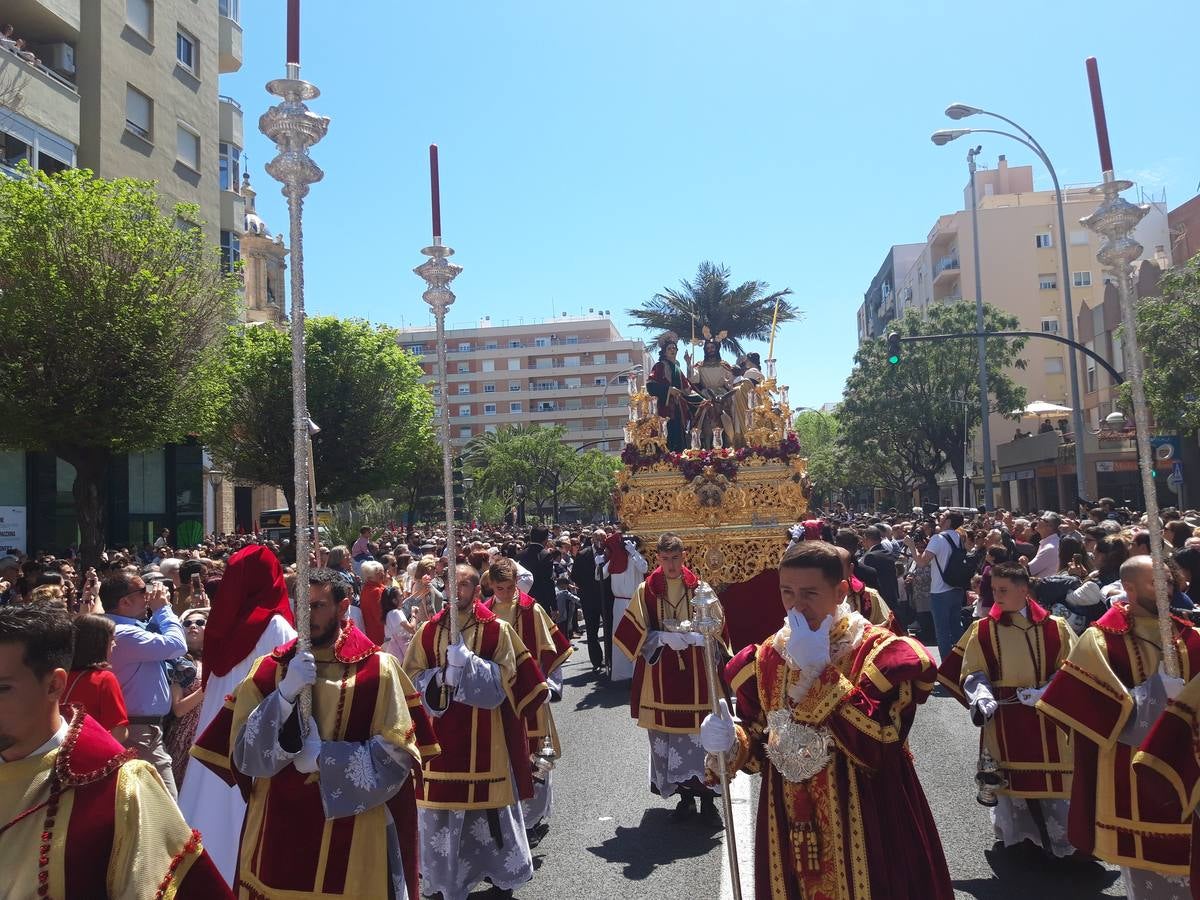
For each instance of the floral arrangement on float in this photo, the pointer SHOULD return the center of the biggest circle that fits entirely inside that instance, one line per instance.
(720, 460)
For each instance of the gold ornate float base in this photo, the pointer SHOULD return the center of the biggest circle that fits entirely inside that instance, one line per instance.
(734, 527)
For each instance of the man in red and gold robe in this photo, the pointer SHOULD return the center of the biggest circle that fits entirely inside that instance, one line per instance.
(669, 694)
(480, 691)
(550, 648)
(998, 670)
(824, 709)
(330, 803)
(1108, 693)
(79, 815)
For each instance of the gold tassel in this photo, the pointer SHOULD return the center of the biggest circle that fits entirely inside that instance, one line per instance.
(806, 848)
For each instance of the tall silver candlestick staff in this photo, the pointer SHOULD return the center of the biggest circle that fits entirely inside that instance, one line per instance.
(1115, 219)
(295, 129)
(438, 272)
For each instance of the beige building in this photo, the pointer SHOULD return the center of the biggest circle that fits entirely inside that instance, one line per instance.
(1020, 250)
(570, 371)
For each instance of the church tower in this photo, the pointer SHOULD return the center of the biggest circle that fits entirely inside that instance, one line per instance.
(263, 266)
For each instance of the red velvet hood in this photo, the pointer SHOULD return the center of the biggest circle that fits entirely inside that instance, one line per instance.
(618, 556)
(252, 591)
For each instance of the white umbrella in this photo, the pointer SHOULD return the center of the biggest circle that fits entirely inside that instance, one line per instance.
(1041, 409)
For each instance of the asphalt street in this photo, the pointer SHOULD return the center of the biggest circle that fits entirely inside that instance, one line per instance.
(610, 837)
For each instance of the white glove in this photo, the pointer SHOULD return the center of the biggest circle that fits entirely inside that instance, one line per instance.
(675, 640)
(806, 648)
(301, 672)
(1171, 685)
(695, 638)
(1030, 696)
(982, 710)
(307, 760)
(457, 655)
(716, 732)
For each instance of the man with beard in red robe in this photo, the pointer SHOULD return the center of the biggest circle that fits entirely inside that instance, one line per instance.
(824, 709)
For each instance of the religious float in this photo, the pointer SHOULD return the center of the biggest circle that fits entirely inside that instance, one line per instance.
(731, 493)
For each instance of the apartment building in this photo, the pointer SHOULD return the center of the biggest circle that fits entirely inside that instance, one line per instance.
(130, 88)
(1020, 256)
(1185, 231)
(878, 306)
(571, 371)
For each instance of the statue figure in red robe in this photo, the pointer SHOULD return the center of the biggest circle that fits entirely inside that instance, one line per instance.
(823, 712)
(670, 387)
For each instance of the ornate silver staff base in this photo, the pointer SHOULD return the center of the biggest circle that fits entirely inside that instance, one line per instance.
(295, 129)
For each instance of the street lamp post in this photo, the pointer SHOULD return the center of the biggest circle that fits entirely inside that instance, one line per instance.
(984, 404)
(961, 111)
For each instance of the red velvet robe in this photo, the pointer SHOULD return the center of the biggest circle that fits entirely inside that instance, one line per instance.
(92, 818)
(672, 694)
(875, 835)
(1167, 767)
(1090, 696)
(548, 646)
(295, 833)
(479, 745)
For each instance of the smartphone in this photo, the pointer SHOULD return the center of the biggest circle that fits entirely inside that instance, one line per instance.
(197, 585)
(1079, 559)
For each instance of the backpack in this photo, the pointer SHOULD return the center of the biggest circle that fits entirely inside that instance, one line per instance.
(959, 570)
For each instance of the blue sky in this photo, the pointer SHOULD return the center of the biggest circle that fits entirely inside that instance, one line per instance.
(593, 153)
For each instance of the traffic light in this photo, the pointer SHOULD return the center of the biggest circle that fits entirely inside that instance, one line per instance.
(893, 355)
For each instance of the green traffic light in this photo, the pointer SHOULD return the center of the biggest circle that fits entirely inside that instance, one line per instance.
(894, 360)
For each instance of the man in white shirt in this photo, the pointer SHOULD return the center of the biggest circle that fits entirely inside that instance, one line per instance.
(945, 601)
(1045, 561)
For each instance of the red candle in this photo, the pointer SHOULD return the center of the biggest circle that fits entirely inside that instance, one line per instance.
(1093, 72)
(435, 190)
(293, 32)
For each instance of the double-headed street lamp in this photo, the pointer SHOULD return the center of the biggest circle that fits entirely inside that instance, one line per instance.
(958, 111)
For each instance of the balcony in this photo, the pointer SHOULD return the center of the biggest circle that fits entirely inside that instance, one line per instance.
(1037, 448)
(229, 122)
(229, 45)
(46, 100)
(44, 21)
(233, 212)
(946, 264)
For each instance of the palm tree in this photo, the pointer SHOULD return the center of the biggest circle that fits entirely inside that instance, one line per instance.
(744, 311)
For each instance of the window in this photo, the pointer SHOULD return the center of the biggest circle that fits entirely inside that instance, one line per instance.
(599, 381)
(185, 50)
(1048, 282)
(464, 389)
(230, 156)
(1081, 279)
(572, 339)
(489, 388)
(599, 359)
(1079, 238)
(514, 365)
(571, 362)
(1092, 381)
(541, 342)
(230, 9)
(1053, 365)
(489, 365)
(545, 362)
(231, 250)
(464, 431)
(489, 429)
(1097, 312)
(465, 409)
(601, 424)
(546, 406)
(490, 345)
(514, 345)
(1049, 325)
(514, 406)
(464, 368)
(187, 146)
(1043, 240)
(139, 15)
(464, 347)
(514, 385)
(601, 403)
(622, 359)
(139, 113)
(573, 382)
(489, 409)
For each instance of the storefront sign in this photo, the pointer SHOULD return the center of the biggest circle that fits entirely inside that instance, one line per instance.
(12, 528)
(1106, 465)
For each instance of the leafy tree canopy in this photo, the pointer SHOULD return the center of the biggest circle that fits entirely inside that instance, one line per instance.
(1168, 328)
(911, 414)
(113, 315)
(744, 311)
(363, 391)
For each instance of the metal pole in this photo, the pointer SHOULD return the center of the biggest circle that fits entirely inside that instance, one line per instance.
(989, 501)
(295, 129)
(1116, 219)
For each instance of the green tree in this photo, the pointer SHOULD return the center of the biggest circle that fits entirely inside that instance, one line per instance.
(363, 391)
(114, 315)
(1168, 329)
(818, 434)
(744, 311)
(593, 483)
(910, 415)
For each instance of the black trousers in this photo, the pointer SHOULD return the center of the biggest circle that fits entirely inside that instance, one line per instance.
(592, 617)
